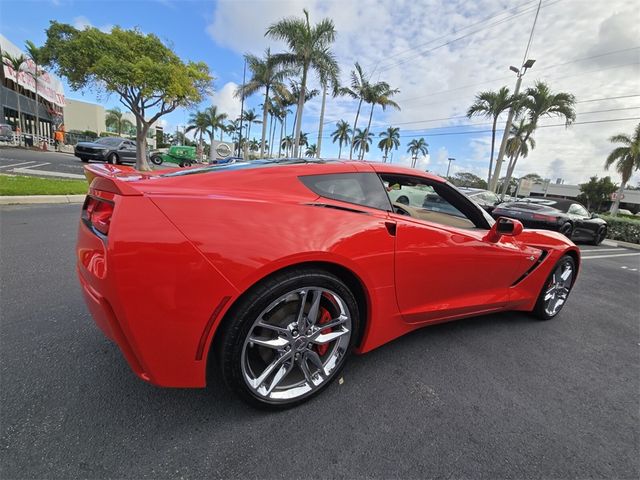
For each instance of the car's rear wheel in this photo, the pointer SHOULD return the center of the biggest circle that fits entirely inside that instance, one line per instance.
(566, 229)
(113, 159)
(600, 235)
(556, 289)
(84, 159)
(289, 338)
(156, 160)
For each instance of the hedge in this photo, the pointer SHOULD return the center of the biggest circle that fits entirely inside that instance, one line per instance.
(623, 228)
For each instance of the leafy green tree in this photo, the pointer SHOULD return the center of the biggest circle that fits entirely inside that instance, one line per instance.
(389, 139)
(417, 147)
(534, 177)
(266, 74)
(16, 63)
(626, 159)
(468, 179)
(36, 55)
(342, 135)
(539, 102)
(379, 93)
(358, 90)
(362, 139)
(596, 191)
(491, 104)
(149, 78)
(250, 117)
(114, 119)
(309, 49)
(518, 146)
(287, 145)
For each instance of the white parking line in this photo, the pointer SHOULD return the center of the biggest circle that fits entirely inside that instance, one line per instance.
(600, 250)
(15, 164)
(611, 255)
(32, 166)
(47, 173)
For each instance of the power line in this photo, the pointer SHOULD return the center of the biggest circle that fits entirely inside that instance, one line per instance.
(533, 28)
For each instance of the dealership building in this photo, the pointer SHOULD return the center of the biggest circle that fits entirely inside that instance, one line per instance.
(18, 93)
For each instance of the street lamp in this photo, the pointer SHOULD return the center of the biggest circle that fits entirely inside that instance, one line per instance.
(503, 145)
(449, 166)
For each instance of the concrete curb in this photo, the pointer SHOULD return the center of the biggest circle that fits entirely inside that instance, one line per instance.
(36, 199)
(619, 243)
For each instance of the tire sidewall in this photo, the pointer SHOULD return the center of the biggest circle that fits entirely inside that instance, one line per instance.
(113, 159)
(596, 239)
(539, 309)
(242, 317)
(569, 233)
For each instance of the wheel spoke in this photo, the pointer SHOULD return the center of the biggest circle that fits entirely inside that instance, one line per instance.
(334, 322)
(566, 274)
(323, 338)
(312, 316)
(275, 328)
(303, 302)
(315, 359)
(302, 363)
(280, 374)
(256, 382)
(277, 343)
(549, 294)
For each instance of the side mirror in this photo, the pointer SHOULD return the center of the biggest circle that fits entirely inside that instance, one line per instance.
(594, 215)
(504, 226)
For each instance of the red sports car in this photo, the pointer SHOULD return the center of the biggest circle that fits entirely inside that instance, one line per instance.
(274, 271)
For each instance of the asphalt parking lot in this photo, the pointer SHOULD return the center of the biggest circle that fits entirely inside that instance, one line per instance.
(499, 396)
(40, 164)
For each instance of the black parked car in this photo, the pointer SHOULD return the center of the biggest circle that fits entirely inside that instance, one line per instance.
(107, 149)
(486, 199)
(565, 216)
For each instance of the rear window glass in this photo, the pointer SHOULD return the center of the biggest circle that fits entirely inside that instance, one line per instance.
(359, 188)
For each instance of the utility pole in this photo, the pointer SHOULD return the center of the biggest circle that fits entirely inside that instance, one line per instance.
(449, 166)
(244, 74)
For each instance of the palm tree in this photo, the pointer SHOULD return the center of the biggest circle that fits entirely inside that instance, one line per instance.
(328, 78)
(379, 94)
(419, 146)
(518, 145)
(254, 146)
(199, 124)
(250, 117)
(214, 121)
(114, 119)
(295, 94)
(491, 104)
(538, 101)
(362, 139)
(626, 158)
(16, 63)
(267, 75)
(342, 135)
(37, 57)
(358, 90)
(308, 49)
(311, 151)
(287, 144)
(304, 139)
(390, 139)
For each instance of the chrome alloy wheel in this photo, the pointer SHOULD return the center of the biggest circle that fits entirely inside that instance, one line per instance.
(296, 344)
(558, 288)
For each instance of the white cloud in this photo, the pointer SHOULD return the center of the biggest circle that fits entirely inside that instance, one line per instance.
(396, 41)
(83, 22)
(225, 100)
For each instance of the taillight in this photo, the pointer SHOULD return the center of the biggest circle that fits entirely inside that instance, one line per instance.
(97, 213)
(544, 218)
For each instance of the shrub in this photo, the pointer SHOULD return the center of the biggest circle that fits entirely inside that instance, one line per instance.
(623, 228)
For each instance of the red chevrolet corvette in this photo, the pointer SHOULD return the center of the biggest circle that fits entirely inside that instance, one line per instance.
(274, 271)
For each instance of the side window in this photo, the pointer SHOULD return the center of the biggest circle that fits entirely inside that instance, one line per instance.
(359, 188)
(433, 202)
(576, 209)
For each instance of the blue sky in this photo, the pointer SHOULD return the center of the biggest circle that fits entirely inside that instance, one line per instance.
(438, 53)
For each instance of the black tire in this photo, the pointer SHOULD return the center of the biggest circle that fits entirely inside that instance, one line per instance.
(566, 229)
(540, 310)
(113, 159)
(156, 160)
(84, 159)
(599, 236)
(239, 322)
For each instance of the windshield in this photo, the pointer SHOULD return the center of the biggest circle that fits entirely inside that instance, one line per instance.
(112, 142)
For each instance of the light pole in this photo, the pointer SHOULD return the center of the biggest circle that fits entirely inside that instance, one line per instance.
(505, 136)
(449, 166)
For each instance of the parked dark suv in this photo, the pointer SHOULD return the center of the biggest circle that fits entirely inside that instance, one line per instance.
(107, 149)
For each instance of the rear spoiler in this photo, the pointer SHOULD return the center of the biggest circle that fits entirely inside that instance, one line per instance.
(114, 178)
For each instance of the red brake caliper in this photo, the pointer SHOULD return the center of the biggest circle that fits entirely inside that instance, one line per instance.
(325, 317)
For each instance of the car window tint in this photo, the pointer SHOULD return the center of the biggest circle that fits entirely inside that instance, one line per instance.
(359, 188)
(577, 209)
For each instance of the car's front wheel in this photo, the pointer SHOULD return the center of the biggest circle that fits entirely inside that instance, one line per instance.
(556, 289)
(288, 338)
(600, 235)
(567, 229)
(113, 159)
